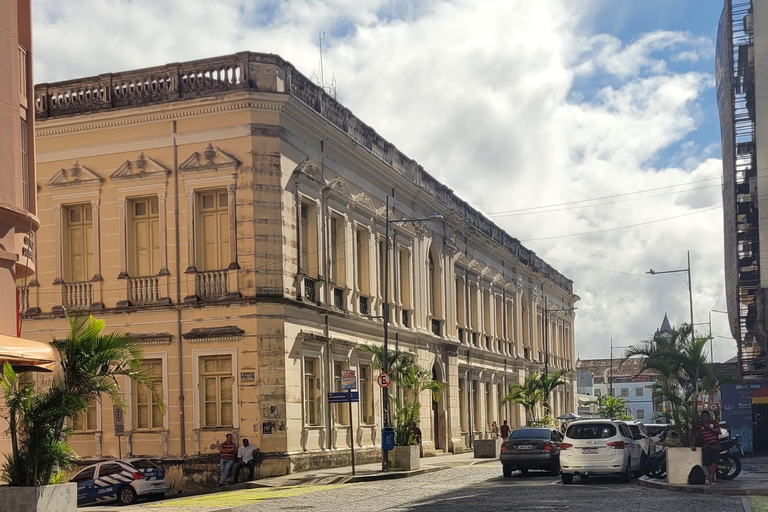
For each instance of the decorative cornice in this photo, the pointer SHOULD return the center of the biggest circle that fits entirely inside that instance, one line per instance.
(205, 334)
(141, 167)
(75, 175)
(209, 159)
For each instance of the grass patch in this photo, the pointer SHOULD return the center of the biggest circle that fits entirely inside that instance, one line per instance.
(243, 497)
(758, 503)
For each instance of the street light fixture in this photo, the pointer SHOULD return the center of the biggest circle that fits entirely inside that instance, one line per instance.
(546, 331)
(385, 391)
(690, 292)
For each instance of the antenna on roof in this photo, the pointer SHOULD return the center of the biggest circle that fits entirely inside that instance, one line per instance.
(330, 89)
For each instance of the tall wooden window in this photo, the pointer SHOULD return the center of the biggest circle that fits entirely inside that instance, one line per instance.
(313, 402)
(338, 254)
(149, 414)
(86, 420)
(308, 238)
(78, 243)
(213, 230)
(24, 164)
(362, 262)
(405, 278)
(144, 237)
(216, 382)
(462, 404)
(341, 411)
(366, 395)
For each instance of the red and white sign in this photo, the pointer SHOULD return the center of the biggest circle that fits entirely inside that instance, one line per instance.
(384, 380)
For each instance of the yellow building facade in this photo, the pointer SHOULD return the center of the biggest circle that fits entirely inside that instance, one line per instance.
(231, 215)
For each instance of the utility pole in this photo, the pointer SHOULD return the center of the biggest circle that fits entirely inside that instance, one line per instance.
(690, 289)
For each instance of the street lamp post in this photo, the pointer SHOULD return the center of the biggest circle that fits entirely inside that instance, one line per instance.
(690, 292)
(385, 390)
(546, 332)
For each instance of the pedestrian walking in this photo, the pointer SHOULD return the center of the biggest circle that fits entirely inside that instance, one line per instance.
(245, 459)
(562, 428)
(504, 430)
(494, 430)
(227, 450)
(709, 432)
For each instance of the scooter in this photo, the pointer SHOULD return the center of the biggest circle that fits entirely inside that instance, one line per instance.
(729, 464)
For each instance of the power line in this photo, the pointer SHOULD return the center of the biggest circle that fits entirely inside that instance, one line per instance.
(600, 198)
(621, 227)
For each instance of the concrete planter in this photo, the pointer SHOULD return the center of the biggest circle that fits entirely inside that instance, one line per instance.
(487, 448)
(680, 461)
(48, 498)
(405, 458)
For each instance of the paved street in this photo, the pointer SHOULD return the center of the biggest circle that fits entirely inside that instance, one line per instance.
(479, 487)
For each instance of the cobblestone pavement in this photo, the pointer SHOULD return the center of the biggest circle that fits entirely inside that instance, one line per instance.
(482, 488)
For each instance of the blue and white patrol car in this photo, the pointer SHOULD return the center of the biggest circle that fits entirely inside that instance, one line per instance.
(120, 480)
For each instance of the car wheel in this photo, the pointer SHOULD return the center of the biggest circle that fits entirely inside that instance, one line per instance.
(555, 469)
(626, 475)
(567, 478)
(524, 471)
(507, 471)
(126, 495)
(640, 471)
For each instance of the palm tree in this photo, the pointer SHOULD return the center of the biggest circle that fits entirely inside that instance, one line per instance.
(548, 382)
(89, 362)
(528, 394)
(610, 407)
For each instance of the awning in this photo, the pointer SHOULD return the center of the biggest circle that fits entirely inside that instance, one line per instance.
(760, 396)
(26, 355)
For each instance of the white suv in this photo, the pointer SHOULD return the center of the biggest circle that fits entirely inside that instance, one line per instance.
(599, 447)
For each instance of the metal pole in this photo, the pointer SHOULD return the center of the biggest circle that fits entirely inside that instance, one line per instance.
(610, 380)
(385, 391)
(711, 340)
(690, 292)
(546, 334)
(351, 430)
(119, 447)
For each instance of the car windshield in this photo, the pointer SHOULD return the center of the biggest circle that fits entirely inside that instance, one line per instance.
(530, 433)
(654, 430)
(591, 431)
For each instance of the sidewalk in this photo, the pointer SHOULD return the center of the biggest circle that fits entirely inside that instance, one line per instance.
(752, 481)
(295, 483)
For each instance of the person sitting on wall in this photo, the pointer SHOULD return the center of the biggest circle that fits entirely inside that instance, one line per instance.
(227, 450)
(245, 459)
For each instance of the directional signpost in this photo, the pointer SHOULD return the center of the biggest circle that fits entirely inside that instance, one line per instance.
(348, 383)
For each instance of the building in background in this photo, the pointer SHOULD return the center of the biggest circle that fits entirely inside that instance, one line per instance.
(18, 221)
(231, 214)
(742, 96)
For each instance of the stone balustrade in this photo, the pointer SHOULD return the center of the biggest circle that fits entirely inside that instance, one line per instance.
(23, 295)
(213, 284)
(143, 290)
(78, 295)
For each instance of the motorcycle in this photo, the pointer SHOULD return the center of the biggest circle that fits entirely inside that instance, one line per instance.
(729, 463)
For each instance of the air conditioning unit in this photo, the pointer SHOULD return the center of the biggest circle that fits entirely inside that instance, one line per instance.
(748, 23)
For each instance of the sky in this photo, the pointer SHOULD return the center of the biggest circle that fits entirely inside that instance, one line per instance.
(588, 130)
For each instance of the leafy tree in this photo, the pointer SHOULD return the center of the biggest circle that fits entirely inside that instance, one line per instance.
(547, 383)
(528, 394)
(680, 360)
(411, 380)
(89, 363)
(611, 407)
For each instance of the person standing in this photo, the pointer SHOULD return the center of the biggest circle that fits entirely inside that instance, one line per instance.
(245, 459)
(709, 432)
(494, 430)
(227, 450)
(504, 430)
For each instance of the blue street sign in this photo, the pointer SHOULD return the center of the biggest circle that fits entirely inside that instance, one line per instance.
(342, 396)
(387, 438)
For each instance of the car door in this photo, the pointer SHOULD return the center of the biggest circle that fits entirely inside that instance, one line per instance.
(637, 451)
(86, 491)
(108, 480)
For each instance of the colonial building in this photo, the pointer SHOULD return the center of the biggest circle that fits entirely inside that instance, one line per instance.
(231, 215)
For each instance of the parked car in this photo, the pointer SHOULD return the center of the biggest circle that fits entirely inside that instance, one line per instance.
(657, 433)
(643, 439)
(599, 447)
(120, 480)
(531, 448)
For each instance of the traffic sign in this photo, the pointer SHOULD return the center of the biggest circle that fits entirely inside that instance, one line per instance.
(117, 414)
(343, 397)
(384, 380)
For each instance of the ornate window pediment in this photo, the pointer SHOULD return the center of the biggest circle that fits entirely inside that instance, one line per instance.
(209, 159)
(364, 203)
(75, 175)
(308, 172)
(339, 190)
(141, 167)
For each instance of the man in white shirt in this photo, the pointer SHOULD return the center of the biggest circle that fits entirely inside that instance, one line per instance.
(245, 459)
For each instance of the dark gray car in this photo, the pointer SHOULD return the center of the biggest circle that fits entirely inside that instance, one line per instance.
(531, 448)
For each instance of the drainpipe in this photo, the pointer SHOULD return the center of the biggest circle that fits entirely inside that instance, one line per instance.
(182, 429)
(328, 380)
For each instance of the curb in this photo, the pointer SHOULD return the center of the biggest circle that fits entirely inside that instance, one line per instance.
(702, 489)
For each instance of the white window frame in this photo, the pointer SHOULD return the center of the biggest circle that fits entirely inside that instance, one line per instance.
(318, 355)
(130, 390)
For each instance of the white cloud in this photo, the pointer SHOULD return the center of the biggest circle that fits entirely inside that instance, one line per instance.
(482, 94)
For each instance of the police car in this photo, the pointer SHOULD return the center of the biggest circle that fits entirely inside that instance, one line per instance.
(120, 480)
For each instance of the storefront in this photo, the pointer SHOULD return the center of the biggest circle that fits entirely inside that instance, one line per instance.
(745, 408)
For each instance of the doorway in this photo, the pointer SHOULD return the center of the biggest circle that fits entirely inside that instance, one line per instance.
(436, 414)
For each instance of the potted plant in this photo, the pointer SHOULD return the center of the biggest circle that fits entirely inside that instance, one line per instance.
(89, 362)
(680, 362)
(410, 380)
